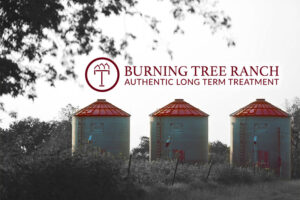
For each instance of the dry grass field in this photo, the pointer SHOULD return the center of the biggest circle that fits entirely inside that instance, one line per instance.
(224, 182)
(278, 190)
(91, 177)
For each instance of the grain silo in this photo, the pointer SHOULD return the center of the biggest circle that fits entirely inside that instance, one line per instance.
(261, 136)
(179, 130)
(103, 125)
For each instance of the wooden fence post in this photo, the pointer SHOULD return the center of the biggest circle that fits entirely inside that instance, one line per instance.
(175, 171)
(209, 169)
(129, 165)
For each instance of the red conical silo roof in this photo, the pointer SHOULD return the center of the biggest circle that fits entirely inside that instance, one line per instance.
(101, 108)
(179, 108)
(261, 108)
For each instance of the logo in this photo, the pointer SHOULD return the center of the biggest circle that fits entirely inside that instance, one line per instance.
(102, 74)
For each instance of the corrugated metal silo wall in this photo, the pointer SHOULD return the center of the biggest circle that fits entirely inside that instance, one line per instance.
(189, 138)
(111, 134)
(273, 143)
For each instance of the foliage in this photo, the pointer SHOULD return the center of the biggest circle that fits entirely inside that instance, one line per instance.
(294, 110)
(67, 112)
(142, 151)
(36, 34)
(228, 175)
(92, 177)
(34, 30)
(31, 137)
(161, 172)
(24, 136)
(219, 152)
(283, 190)
(60, 141)
(233, 175)
(34, 137)
(69, 177)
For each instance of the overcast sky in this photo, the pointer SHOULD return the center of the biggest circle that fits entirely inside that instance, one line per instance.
(266, 32)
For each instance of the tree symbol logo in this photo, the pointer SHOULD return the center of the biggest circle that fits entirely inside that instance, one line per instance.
(102, 74)
(101, 68)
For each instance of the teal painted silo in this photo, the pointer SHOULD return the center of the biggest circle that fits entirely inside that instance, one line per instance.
(261, 136)
(179, 130)
(101, 125)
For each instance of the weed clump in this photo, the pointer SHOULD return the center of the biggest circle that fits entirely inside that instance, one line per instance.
(238, 175)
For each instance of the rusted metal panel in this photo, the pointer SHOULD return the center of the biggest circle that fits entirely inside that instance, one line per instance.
(260, 108)
(179, 108)
(101, 108)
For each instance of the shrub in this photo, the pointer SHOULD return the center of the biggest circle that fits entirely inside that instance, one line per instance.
(236, 175)
(60, 178)
(162, 171)
(233, 175)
